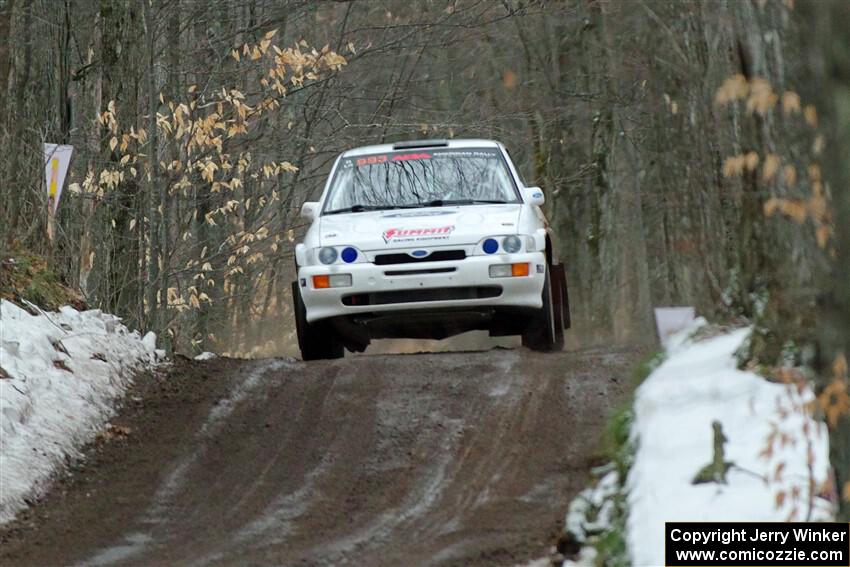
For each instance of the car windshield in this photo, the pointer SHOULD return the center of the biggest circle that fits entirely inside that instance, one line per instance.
(420, 178)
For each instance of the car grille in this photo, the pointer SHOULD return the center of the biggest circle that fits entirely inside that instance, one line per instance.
(419, 271)
(401, 258)
(418, 295)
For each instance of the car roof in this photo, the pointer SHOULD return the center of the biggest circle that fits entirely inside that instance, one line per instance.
(421, 144)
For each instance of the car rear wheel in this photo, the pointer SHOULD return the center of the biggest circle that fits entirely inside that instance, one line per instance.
(317, 341)
(545, 332)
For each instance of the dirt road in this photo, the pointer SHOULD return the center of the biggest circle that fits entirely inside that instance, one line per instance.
(426, 459)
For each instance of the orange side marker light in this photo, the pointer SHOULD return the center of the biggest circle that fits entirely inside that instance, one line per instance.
(518, 270)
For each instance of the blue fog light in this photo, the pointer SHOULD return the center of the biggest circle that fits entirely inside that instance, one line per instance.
(490, 246)
(349, 255)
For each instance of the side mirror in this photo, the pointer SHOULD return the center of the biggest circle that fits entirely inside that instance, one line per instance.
(533, 196)
(309, 210)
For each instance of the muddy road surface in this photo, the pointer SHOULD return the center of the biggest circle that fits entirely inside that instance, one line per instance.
(426, 459)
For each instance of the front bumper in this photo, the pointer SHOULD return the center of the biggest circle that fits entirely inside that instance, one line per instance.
(459, 278)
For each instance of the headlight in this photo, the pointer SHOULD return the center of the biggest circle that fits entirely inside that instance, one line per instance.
(490, 246)
(327, 255)
(512, 244)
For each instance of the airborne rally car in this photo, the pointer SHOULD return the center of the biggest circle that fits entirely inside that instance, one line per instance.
(426, 239)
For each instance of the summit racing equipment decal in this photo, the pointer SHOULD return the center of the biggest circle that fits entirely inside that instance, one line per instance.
(415, 234)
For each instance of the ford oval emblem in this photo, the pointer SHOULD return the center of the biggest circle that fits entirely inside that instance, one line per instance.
(419, 253)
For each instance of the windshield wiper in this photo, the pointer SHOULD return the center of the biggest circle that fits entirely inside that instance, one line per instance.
(358, 208)
(449, 202)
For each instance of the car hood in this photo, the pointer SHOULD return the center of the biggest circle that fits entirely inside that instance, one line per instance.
(432, 226)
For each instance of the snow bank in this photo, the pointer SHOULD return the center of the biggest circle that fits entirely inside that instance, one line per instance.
(674, 409)
(590, 511)
(61, 374)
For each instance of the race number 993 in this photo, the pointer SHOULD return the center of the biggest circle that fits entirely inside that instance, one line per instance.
(371, 160)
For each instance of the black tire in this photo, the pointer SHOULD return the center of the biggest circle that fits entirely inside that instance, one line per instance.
(559, 282)
(545, 331)
(317, 341)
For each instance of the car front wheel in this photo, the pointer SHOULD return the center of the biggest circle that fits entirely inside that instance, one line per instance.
(317, 341)
(545, 331)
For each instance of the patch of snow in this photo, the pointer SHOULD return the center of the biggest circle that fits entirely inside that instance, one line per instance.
(675, 407)
(539, 562)
(206, 356)
(591, 514)
(149, 340)
(590, 511)
(682, 338)
(66, 371)
(586, 558)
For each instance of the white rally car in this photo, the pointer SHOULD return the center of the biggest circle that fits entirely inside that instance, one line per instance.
(426, 239)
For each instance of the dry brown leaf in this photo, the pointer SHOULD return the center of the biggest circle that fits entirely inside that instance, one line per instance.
(818, 207)
(734, 165)
(835, 401)
(810, 113)
(771, 206)
(794, 209)
(114, 432)
(770, 167)
(751, 161)
(790, 102)
(762, 98)
(822, 234)
(839, 367)
(789, 172)
(814, 173)
(734, 88)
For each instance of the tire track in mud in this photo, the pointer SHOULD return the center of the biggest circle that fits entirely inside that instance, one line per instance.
(426, 459)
